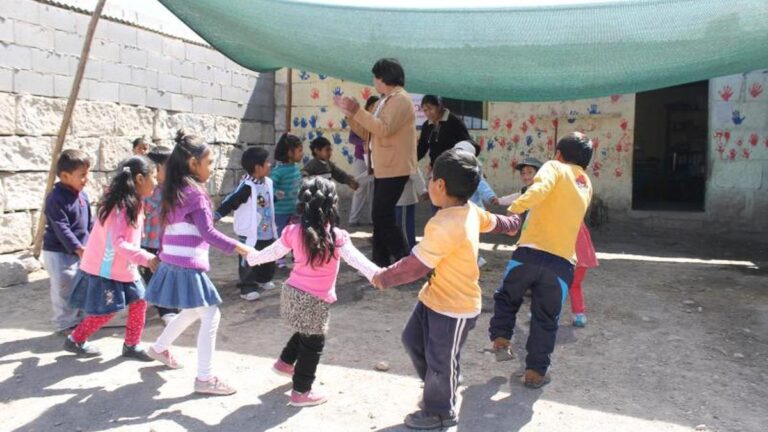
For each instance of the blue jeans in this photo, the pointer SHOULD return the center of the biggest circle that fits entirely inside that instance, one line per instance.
(410, 222)
(281, 221)
(62, 268)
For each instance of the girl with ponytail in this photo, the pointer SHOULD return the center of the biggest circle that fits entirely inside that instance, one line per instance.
(108, 280)
(317, 245)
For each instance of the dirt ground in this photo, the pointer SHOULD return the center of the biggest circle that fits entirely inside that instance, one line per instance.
(671, 345)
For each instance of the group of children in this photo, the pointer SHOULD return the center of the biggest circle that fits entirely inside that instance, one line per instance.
(97, 270)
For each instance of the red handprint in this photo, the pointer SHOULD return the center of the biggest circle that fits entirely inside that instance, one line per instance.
(516, 139)
(753, 139)
(365, 93)
(551, 143)
(721, 150)
(732, 154)
(726, 93)
(481, 142)
(756, 89)
(745, 153)
(496, 123)
(555, 122)
(330, 124)
(532, 119)
(508, 124)
(727, 135)
(619, 148)
(495, 164)
(314, 93)
(502, 142)
(615, 98)
(618, 172)
(513, 163)
(623, 125)
(524, 127)
(595, 144)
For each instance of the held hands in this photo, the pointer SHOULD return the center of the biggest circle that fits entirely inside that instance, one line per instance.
(279, 194)
(153, 264)
(79, 251)
(353, 184)
(243, 250)
(347, 105)
(494, 201)
(376, 280)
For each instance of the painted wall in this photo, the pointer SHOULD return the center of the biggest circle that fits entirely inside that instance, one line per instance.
(516, 131)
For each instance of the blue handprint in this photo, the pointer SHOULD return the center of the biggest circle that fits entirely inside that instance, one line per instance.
(319, 133)
(295, 122)
(337, 91)
(305, 159)
(737, 117)
(323, 109)
(345, 151)
(337, 139)
(313, 121)
(593, 109)
(490, 144)
(303, 75)
(528, 140)
(303, 123)
(343, 123)
(322, 76)
(572, 116)
(350, 159)
(310, 135)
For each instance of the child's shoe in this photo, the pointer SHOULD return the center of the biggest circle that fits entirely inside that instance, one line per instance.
(282, 368)
(81, 349)
(534, 380)
(249, 293)
(308, 398)
(165, 358)
(214, 386)
(423, 420)
(268, 286)
(136, 352)
(481, 262)
(579, 320)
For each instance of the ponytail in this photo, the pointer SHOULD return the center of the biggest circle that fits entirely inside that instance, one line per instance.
(122, 193)
(319, 217)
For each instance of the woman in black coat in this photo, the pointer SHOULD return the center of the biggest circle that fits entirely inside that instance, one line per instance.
(441, 131)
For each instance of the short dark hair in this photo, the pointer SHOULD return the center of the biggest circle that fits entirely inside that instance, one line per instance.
(285, 144)
(159, 155)
(576, 148)
(461, 172)
(389, 71)
(253, 156)
(318, 143)
(370, 101)
(139, 140)
(71, 160)
(432, 100)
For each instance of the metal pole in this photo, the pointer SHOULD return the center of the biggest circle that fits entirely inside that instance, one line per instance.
(38, 241)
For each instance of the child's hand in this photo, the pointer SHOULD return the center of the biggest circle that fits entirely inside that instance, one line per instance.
(153, 264)
(80, 251)
(376, 280)
(424, 196)
(243, 249)
(353, 184)
(494, 201)
(279, 194)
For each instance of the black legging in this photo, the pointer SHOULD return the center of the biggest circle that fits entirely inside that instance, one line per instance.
(388, 238)
(303, 351)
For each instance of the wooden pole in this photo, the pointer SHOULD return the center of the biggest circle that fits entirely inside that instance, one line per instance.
(289, 102)
(38, 241)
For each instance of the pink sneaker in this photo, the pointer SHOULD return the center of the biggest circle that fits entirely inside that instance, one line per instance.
(309, 398)
(165, 358)
(282, 368)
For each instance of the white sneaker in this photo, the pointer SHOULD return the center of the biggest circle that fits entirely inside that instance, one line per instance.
(481, 262)
(251, 296)
(268, 286)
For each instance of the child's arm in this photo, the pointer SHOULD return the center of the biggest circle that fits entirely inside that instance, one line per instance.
(342, 177)
(277, 184)
(391, 118)
(425, 256)
(59, 223)
(407, 270)
(507, 200)
(122, 245)
(486, 192)
(497, 224)
(203, 220)
(273, 252)
(233, 201)
(542, 185)
(356, 259)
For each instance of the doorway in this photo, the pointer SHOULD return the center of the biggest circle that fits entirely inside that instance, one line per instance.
(670, 154)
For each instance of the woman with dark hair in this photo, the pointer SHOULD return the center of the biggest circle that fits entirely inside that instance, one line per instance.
(392, 158)
(441, 131)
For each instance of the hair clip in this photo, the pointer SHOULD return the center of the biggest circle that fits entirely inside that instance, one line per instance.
(127, 169)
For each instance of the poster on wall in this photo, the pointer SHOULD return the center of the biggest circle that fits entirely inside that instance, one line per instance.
(420, 117)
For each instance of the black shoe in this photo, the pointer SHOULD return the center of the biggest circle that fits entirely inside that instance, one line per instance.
(136, 352)
(81, 349)
(424, 421)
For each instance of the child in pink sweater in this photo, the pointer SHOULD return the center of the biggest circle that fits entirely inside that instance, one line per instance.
(108, 280)
(585, 259)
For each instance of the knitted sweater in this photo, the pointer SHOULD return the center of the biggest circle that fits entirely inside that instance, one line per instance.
(189, 231)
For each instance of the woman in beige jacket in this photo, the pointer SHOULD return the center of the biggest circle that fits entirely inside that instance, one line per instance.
(391, 129)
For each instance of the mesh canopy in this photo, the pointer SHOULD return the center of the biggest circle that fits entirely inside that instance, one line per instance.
(510, 53)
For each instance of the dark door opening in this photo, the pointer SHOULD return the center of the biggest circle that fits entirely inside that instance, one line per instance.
(670, 155)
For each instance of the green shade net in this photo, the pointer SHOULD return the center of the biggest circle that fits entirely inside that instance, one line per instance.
(509, 53)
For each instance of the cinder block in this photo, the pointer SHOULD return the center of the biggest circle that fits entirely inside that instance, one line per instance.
(235, 94)
(191, 87)
(6, 80)
(133, 56)
(202, 105)
(6, 30)
(181, 103)
(123, 34)
(116, 72)
(62, 86)
(149, 41)
(133, 95)
(173, 48)
(15, 56)
(92, 69)
(105, 50)
(239, 80)
(68, 43)
(183, 68)
(159, 62)
(222, 77)
(103, 91)
(195, 53)
(203, 72)
(50, 62)
(158, 99)
(33, 35)
(169, 83)
(144, 78)
(223, 108)
(23, 10)
(30, 82)
(58, 18)
(213, 90)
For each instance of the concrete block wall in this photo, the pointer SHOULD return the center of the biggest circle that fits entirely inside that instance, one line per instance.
(137, 82)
